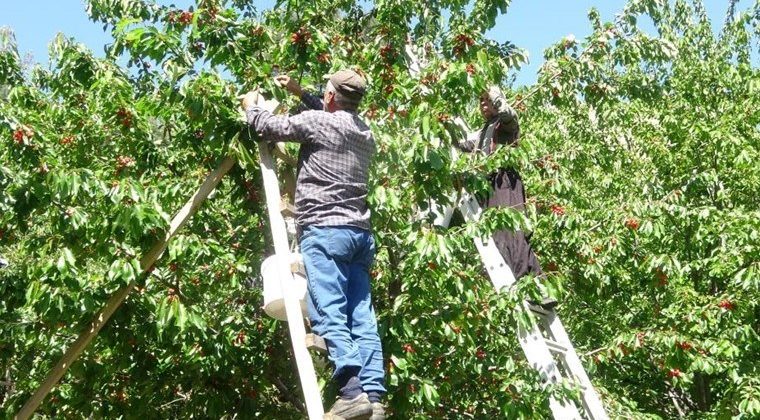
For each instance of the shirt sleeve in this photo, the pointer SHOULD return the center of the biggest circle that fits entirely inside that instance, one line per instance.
(312, 102)
(507, 131)
(466, 145)
(277, 128)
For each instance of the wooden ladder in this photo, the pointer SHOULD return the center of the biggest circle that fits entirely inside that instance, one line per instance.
(286, 270)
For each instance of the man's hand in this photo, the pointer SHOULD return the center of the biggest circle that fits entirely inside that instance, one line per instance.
(249, 100)
(290, 84)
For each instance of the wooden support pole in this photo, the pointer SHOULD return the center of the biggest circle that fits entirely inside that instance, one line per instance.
(115, 301)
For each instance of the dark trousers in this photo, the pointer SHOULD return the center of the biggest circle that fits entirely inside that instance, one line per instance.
(507, 191)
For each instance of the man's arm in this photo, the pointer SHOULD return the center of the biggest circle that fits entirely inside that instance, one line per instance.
(292, 86)
(469, 143)
(312, 101)
(276, 128)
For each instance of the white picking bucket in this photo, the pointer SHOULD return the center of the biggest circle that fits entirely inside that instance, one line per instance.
(274, 303)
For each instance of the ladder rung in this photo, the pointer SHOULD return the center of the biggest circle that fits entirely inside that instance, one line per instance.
(555, 346)
(316, 343)
(575, 382)
(297, 267)
(540, 311)
(287, 209)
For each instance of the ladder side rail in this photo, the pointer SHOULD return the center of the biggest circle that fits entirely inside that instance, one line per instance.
(498, 270)
(306, 371)
(531, 341)
(591, 399)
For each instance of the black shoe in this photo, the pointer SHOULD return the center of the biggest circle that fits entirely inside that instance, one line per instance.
(358, 408)
(547, 304)
(378, 411)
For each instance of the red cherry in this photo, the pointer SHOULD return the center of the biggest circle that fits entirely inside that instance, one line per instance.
(632, 224)
(480, 354)
(300, 37)
(623, 348)
(18, 136)
(124, 162)
(185, 18)
(386, 51)
(674, 373)
(727, 305)
(371, 112)
(121, 396)
(408, 348)
(662, 278)
(323, 58)
(558, 210)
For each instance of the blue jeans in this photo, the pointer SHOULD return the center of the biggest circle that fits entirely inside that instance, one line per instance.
(337, 261)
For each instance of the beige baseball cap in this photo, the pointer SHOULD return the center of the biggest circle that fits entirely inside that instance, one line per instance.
(349, 83)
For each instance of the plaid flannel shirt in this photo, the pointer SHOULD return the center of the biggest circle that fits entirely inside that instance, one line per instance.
(333, 162)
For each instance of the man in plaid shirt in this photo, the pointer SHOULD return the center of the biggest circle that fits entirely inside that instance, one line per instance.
(335, 239)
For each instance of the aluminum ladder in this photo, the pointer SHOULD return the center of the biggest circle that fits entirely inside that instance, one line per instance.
(545, 344)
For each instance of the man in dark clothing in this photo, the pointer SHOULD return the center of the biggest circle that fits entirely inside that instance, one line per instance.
(335, 239)
(502, 128)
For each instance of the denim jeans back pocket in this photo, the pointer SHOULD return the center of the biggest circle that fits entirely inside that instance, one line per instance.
(340, 245)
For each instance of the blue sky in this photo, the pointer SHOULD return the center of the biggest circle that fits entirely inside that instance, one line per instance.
(530, 24)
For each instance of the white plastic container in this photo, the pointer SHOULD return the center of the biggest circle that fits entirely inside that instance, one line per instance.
(274, 303)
